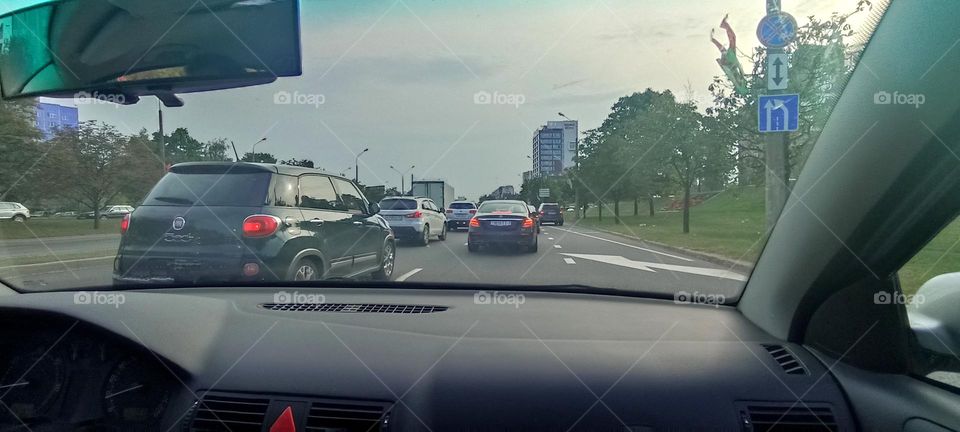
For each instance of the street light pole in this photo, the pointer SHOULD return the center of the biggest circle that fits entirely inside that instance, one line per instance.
(253, 151)
(356, 166)
(403, 175)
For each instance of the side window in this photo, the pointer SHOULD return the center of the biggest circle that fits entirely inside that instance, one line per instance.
(316, 192)
(286, 191)
(930, 284)
(425, 205)
(351, 197)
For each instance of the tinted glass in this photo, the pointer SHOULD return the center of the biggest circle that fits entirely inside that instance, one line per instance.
(462, 206)
(246, 189)
(286, 191)
(350, 196)
(318, 193)
(398, 204)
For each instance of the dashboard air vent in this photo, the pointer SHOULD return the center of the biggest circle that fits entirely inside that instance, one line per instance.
(789, 362)
(346, 417)
(232, 414)
(354, 308)
(796, 417)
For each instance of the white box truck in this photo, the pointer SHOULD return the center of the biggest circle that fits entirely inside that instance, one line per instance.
(438, 190)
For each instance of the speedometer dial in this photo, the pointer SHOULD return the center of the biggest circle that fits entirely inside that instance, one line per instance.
(136, 392)
(32, 383)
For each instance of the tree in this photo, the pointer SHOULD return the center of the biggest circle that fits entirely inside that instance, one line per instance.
(19, 151)
(91, 164)
(306, 163)
(259, 157)
(217, 149)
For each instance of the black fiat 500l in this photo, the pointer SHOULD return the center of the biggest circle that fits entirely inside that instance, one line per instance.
(224, 221)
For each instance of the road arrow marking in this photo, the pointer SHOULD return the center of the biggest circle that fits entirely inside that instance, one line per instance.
(649, 266)
(626, 245)
(569, 261)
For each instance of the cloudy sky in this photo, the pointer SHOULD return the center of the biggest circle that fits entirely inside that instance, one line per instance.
(400, 77)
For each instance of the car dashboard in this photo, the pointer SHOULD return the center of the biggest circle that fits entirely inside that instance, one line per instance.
(258, 359)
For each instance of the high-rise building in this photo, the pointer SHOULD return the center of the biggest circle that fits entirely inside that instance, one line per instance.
(51, 116)
(554, 146)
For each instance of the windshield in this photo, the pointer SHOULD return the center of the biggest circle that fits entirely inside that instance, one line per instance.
(639, 131)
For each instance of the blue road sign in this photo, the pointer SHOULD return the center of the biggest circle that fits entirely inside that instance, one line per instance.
(779, 113)
(777, 30)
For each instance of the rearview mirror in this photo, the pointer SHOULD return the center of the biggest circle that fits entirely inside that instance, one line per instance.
(119, 50)
(934, 316)
(373, 209)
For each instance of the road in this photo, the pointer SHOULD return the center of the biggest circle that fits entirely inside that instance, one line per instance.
(567, 256)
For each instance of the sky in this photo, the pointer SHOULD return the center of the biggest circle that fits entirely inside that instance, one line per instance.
(400, 77)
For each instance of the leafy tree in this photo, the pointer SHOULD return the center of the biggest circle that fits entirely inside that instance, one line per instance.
(259, 157)
(93, 165)
(19, 151)
(217, 149)
(306, 163)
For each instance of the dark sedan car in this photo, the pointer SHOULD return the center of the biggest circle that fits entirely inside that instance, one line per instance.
(503, 222)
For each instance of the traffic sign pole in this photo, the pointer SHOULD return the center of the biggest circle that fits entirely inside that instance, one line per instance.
(777, 189)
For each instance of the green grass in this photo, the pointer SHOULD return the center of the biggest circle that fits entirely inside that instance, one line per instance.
(55, 227)
(941, 255)
(730, 224)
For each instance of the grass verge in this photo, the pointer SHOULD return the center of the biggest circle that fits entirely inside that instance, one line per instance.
(55, 227)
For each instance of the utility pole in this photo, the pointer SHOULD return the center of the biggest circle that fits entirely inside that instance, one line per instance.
(776, 144)
(356, 167)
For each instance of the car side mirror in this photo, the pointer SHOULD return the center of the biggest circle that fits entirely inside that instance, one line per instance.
(934, 318)
(373, 209)
(443, 210)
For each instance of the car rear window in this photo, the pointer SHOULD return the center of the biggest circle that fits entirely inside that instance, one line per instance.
(552, 207)
(233, 189)
(398, 204)
(502, 207)
(462, 206)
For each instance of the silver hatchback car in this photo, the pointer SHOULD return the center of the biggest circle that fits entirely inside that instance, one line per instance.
(14, 211)
(414, 218)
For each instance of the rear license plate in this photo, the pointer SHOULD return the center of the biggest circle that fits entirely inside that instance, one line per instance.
(394, 218)
(501, 223)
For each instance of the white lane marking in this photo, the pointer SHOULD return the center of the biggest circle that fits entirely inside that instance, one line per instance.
(406, 275)
(649, 266)
(58, 262)
(627, 245)
(569, 261)
(549, 238)
(557, 247)
(466, 244)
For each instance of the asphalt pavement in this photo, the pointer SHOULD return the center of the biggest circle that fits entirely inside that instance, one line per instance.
(566, 255)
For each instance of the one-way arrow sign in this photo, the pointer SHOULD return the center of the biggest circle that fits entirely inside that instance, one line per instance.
(777, 72)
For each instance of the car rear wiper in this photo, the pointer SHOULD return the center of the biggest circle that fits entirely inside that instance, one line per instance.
(174, 200)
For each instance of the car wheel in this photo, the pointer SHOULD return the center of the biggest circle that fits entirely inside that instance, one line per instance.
(533, 248)
(387, 263)
(443, 233)
(305, 270)
(19, 218)
(560, 224)
(425, 238)
(472, 247)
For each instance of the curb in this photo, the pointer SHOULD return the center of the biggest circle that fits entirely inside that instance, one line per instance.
(739, 266)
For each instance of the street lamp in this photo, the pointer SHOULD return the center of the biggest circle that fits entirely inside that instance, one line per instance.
(253, 152)
(356, 164)
(403, 175)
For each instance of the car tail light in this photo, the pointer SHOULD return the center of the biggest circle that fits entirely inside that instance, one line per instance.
(415, 215)
(541, 213)
(527, 223)
(260, 226)
(125, 223)
(474, 223)
(473, 212)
